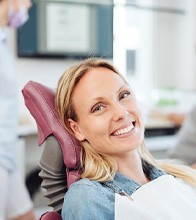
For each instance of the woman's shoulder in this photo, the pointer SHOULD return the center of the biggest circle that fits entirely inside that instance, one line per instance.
(88, 198)
(85, 187)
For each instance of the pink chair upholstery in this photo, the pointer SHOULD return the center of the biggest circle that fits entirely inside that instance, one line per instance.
(39, 99)
(50, 216)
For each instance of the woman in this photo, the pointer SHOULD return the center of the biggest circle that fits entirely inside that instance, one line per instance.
(120, 179)
(15, 202)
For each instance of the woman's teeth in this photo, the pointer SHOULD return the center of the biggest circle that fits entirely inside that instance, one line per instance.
(124, 130)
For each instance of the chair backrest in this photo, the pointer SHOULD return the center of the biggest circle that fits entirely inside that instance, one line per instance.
(39, 100)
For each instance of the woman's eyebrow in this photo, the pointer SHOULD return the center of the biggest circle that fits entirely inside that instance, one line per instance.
(121, 88)
(100, 98)
(93, 101)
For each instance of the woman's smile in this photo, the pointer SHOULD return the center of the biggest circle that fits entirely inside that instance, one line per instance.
(125, 130)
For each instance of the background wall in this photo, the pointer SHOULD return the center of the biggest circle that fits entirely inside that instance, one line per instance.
(165, 56)
(174, 47)
(46, 71)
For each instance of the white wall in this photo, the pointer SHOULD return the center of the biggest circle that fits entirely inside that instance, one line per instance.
(133, 30)
(173, 51)
(168, 58)
(166, 45)
(46, 71)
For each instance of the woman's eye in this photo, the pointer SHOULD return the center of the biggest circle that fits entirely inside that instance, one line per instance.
(124, 95)
(98, 107)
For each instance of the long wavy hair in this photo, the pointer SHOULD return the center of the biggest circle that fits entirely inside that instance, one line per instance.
(94, 165)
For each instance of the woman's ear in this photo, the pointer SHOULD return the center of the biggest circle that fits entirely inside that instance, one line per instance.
(76, 130)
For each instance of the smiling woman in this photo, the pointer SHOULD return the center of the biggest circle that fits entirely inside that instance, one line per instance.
(100, 109)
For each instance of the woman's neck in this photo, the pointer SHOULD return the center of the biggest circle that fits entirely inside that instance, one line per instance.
(130, 165)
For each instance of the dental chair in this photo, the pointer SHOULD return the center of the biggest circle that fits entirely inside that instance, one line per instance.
(60, 159)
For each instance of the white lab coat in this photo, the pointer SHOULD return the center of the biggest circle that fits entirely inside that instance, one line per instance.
(8, 105)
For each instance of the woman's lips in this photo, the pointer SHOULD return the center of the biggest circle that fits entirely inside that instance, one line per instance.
(124, 130)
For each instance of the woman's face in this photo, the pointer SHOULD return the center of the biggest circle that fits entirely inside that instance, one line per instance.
(108, 113)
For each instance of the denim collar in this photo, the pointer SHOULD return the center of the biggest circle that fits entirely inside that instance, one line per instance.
(125, 186)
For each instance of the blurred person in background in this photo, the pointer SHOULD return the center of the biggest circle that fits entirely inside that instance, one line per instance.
(15, 202)
(185, 148)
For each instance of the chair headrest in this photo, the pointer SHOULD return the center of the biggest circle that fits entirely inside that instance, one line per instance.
(39, 99)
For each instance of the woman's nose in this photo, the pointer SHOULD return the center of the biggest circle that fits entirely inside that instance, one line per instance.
(119, 111)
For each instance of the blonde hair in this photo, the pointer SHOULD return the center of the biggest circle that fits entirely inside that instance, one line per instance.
(94, 165)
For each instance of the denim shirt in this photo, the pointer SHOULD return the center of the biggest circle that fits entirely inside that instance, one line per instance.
(92, 200)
